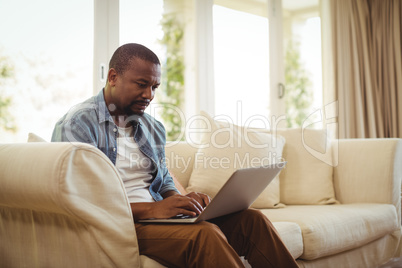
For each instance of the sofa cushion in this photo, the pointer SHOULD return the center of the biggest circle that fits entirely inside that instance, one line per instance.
(308, 176)
(329, 230)
(32, 137)
(149, 263)
(180, 160)
(225, 148)
(291, 236)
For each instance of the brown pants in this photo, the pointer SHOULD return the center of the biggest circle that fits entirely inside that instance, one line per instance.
(217, 243)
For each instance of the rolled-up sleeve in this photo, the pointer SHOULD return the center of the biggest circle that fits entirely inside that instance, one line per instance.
(168, 183)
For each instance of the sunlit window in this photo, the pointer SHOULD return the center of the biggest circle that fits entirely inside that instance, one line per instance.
(46, 58)
(49, 47)
(311, 54)
(303, 64)
(241, 61)
(140, 23)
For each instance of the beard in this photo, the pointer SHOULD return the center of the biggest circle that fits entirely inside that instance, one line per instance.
(136, 108)
(130, 112)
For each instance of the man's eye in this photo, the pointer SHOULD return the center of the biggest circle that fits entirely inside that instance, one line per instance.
(141, 84)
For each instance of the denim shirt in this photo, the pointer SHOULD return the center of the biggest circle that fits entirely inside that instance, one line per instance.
(90, 122)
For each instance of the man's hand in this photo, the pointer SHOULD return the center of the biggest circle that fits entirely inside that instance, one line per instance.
(201, 198)
(191, 204)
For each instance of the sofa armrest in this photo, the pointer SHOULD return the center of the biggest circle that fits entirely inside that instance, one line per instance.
(67, 199)
(369, 171)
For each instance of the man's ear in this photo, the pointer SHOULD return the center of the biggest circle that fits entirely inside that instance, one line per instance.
(112, 77)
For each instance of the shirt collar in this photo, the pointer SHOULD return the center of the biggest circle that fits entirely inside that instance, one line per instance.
(103, 112)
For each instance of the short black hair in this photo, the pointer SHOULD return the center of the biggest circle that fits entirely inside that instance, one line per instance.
(122, 57)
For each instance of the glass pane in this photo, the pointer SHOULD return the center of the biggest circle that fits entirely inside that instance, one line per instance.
(140, 23)
(145, 24)
(241, 61)
(49, 47)
(303, 67)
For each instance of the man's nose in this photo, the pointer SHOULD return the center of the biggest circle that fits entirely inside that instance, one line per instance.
(148, 93)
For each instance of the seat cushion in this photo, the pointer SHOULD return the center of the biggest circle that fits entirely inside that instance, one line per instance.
(291, 236)
(147, 262)
(333, 229)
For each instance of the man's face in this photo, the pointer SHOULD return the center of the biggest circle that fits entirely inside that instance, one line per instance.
(132, 91)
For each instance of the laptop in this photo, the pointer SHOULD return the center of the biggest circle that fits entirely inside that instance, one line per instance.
(238, 193)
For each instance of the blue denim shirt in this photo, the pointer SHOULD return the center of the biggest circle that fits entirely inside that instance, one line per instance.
(90, 122)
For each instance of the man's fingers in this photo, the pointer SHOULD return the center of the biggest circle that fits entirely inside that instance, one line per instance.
(201, 198)
(206, 199)
(190, 204)
(196, 205)
(186, 212)
(197, 198)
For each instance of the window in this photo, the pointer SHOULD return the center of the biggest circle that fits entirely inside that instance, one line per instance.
(49, 44)
(303, 67)
(147, 25)
(140, 23)
(241, 61)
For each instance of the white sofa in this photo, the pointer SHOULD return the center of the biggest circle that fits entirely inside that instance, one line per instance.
(64, 204)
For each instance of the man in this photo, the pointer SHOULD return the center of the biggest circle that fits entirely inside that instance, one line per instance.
(114, 121)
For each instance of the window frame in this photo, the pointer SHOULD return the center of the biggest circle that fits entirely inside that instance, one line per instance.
(199, 86)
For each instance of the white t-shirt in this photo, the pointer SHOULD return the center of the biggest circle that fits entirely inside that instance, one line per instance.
(134, 167)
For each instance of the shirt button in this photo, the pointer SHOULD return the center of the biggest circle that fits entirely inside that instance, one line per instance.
(115, 129)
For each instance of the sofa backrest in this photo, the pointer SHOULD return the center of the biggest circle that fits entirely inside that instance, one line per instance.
(369, 171)
(180, 160)
(307, 178)
(63, 205)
